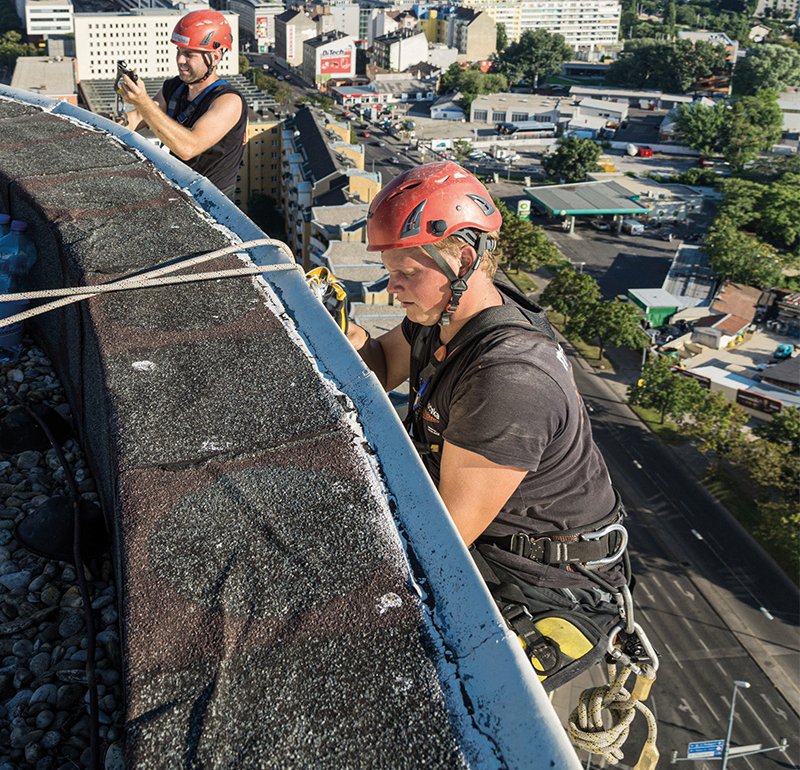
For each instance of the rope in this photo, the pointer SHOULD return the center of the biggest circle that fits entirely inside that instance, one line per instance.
(586, 729)
(145, 280)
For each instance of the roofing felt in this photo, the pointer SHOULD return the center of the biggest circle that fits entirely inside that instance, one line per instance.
(586, 198)
(257, 484)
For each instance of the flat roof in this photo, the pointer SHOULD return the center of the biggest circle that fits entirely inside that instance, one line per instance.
(736, 381)
(655, 298)
(630, 93)
(586, 198)
(41, 75)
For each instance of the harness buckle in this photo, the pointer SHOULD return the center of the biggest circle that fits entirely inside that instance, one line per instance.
(600, 533)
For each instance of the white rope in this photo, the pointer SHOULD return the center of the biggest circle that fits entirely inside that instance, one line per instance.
(145, 280)
(586, 729)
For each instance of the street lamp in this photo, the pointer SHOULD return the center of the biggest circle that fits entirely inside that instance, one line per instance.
(727, 745)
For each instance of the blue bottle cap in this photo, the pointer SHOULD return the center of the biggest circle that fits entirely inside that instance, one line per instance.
(4, 219)
(18, 226)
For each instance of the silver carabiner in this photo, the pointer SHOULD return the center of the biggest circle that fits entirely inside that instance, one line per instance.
(619, 655)
(602, 533)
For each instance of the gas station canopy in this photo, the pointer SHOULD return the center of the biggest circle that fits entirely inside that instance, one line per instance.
(586, 198)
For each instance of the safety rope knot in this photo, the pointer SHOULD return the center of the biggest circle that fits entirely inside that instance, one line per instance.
(586, 728)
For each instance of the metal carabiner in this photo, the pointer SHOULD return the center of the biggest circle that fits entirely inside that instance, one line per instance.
(619, 655)
(625, 602)
(602, 533)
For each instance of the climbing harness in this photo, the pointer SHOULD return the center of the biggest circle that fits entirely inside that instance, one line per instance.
(145, 280)
(328, 289)
(192, 107)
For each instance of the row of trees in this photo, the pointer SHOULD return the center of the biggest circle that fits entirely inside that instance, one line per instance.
(768, 460)
(738, 129)
(767, 66)
(576, 296)
(673, 66)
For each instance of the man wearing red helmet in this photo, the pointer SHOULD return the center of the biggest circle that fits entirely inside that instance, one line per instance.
(495, 413)
(199, 116)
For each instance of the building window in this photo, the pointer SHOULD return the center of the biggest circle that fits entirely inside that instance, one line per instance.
(498, 117)
(481, 115)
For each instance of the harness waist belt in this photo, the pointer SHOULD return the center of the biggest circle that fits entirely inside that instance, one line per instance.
(546, 550)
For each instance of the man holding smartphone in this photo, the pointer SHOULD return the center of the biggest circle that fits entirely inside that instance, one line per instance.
(197, 115)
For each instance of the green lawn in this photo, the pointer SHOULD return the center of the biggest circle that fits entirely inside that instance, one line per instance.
(667, 431)
(522, 280)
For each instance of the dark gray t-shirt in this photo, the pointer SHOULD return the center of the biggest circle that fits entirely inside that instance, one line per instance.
(513, 400)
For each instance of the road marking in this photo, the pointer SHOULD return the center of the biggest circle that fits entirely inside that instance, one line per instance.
(767, 614)
(684, 706)
(703, 644)
(780, 712)
(643, 587)
(669, 649)
(687, 594)
(760, 721)
(708, 705)
(637, 464)
(697, 534)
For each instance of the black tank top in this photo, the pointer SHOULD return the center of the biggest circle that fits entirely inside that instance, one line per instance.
(220, 163)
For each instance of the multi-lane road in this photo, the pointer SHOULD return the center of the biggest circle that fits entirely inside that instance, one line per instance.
(716, 607)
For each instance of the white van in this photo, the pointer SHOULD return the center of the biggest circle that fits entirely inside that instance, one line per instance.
(632, 227)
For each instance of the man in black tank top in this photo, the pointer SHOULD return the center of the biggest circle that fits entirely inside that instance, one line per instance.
(200, 117)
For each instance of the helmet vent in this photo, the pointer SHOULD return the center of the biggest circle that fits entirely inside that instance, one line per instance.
(486, 207)
(412, 224)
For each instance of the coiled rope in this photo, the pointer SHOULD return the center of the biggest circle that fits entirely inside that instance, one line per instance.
(148, 279)
(586, 729)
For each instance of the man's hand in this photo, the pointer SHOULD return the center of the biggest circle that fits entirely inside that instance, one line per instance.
(474, 489)
(133, 91)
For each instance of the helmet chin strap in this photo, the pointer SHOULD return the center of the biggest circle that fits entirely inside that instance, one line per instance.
(209, 60)
(458, 285)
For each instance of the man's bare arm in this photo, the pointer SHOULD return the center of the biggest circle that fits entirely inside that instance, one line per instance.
(184, 143)
(474, 489)
(389, 356)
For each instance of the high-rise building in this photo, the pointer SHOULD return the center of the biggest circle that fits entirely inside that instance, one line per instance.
(329, 56)
(292, 29)
(46, 17)
(257, 21)
(260, 171)
(141, 38)
(584, 24)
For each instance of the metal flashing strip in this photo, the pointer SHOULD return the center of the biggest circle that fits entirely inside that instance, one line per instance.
(512, 718)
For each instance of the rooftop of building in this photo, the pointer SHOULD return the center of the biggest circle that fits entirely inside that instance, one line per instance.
(717, 38)
(586, 198)
(46, 76)
(521, 102)
(339, 216)
(234, 430)
(325, 38)
(630, 93)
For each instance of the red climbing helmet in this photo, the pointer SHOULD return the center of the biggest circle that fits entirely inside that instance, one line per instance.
(204, 30)
(428, 203)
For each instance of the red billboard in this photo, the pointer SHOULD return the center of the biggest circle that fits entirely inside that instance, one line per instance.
(336, 61)
(262, 27)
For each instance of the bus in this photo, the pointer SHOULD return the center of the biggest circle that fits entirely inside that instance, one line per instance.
(525, 128)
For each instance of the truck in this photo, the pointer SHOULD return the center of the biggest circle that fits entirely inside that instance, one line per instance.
(641, 152)
(632, 227)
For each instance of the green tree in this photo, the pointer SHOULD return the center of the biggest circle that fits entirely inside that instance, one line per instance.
(717, 423)
(686, 16)
(614, 323)
(522, 244)
(767, 66)
(779, 221)
(574, 160)
(537, 55)
(701, 127)
(470, 83)
(754, 125)
(461, 148)
(740, 257)
(670, 15)
(670, 66)
(741, 203)
(12, 47)
(571, 294)
(784, 428)
(501, 41)
(669, 393)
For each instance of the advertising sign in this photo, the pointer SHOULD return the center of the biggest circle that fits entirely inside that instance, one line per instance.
(262, 27)
(758, 402)
(524, 209)
(336, 61)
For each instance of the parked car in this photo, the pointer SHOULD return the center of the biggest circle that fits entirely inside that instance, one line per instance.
(632, 227)
(365, 134)
(600, 224)
(394, 159)
(783, 351)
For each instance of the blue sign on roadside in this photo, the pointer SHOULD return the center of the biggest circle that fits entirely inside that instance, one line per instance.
(705, 749)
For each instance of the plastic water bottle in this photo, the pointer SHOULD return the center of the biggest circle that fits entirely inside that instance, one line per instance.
(5, 225)
(17, 257)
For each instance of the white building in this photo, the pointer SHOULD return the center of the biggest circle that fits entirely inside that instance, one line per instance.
(400, 50)
(292, 29)
(446, 108)
(141, 38)
(329, 56)
(47, 17)
(585, 24)
(257, 20)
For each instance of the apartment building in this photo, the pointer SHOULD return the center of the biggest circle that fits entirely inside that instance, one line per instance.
(316, 174)
(332, 55)
(46, 17)
(260, 171)
(141, 38)
(471, 32)
(584, 24)
(257, 21)
(400, 50)
(292, 29)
